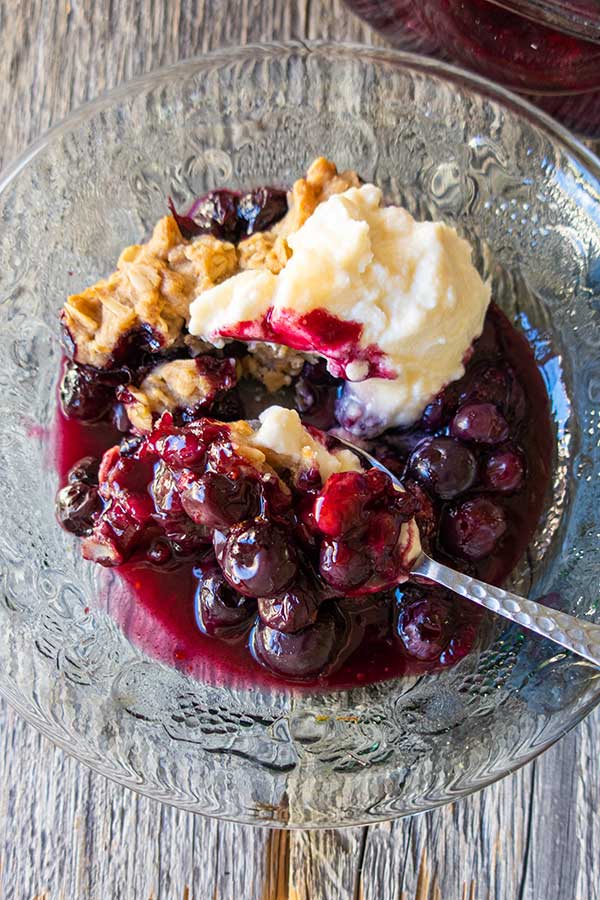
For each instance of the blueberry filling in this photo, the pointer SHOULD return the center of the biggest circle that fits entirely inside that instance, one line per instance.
(231, 215)
(295, 577)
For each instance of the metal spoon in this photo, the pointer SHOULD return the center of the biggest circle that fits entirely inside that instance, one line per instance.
(577, 635)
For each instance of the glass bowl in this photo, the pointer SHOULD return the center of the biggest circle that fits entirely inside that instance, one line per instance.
(441, 142)
(547, 50)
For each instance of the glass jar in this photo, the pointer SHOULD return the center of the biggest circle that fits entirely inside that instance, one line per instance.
(545, 49)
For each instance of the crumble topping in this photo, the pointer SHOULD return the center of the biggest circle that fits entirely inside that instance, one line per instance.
(151, 290)
(154, 283)
(322, 181)
(273, 364)
(186, 384)
(264, 250)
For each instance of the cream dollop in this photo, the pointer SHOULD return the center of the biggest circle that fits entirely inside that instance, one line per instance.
(410, 286)
(285, 441)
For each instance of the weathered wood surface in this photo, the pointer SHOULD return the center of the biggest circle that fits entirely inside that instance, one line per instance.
(66, 832)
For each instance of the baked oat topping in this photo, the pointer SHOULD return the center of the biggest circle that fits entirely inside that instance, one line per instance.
(264, 250)
(273, 364)
(151, 290)
(182, 384)
(321, 182)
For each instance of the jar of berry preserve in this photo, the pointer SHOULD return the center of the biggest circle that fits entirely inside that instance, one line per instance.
(547, 50)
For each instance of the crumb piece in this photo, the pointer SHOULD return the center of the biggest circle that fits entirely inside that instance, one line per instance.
(273, 364)
(196, 345)
(321, 182)
(151, 289)
(264, 250)
(179, 384)
(205, 261)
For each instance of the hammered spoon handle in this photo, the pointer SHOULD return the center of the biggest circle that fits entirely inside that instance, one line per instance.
(577, 635)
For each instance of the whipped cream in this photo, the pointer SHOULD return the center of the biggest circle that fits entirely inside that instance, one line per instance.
(381, 296)
(285, 441)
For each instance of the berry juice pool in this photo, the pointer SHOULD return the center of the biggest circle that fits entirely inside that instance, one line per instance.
(552, 63)
(479, 459)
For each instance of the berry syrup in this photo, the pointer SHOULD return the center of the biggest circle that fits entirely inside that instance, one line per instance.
(555, 70)
(480, 457)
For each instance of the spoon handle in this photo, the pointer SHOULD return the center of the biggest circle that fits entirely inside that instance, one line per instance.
(577, 635)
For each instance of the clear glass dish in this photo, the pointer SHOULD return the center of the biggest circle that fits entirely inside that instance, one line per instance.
(445, 144)
(546, 50)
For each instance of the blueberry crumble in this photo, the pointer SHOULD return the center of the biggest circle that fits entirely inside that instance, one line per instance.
(204, 387)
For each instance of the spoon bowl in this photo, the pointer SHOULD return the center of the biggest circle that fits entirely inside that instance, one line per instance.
(577, 635)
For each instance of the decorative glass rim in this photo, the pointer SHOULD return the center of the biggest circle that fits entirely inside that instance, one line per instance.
(428, 65)
(403, 60)
(571, 16)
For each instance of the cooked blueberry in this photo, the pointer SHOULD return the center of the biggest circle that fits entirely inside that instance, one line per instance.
(260, 209)
(218, 501)
(293, 610)
(85, 470)
(500, 386)
(159, 552)
(424, 627)
(504, 470)
(487, 384)
(258, 558)
(83, 395)
(76, 504)
(181, 449)
(431, 627)
(340, 504)
(343, 566)
(438, 413)
(214, 213)
(185, 538)
(219, 609)
(379, 483)
(136, 348)
(228, 408)
(473, 528)
(132, 477)
(316, 403)
(444, 466)
(302, 655)
(482, 423)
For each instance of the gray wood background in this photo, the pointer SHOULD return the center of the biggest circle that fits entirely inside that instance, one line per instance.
(66, 832)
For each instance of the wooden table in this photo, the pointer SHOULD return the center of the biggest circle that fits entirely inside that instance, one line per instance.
(68, 833)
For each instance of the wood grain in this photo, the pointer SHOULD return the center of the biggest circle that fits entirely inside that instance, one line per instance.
(66, 832)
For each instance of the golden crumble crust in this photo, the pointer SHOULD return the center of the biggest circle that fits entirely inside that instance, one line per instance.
(321, 182)
(171, 385)
(264, 250)
(152, 287)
